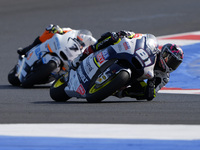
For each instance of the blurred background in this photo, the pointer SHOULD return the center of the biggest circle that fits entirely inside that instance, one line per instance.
(22, 21)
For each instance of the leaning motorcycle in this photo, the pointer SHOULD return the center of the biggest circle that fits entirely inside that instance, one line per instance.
(108, 70)
(44, 62)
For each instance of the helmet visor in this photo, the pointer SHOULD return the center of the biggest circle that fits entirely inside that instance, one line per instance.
(172, 61)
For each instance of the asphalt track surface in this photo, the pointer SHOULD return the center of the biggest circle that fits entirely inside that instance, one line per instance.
(23, 20)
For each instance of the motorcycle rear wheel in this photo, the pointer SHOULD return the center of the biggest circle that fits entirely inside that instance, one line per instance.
(57, 92)
(41, 74)
(107, 89)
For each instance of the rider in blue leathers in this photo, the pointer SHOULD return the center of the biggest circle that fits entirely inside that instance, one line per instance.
(168, 59)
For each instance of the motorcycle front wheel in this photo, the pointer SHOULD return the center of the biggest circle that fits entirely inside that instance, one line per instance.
(12, 78)
(42, 73)
(57, 92)
(97, 93)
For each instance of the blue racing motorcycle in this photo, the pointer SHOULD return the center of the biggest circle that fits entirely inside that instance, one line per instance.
(108, 70)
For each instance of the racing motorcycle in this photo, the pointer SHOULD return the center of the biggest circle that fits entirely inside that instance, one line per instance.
(44, 62)
(104, 72)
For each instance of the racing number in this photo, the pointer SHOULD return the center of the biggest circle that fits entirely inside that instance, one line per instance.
(144, 56)
(72, 44)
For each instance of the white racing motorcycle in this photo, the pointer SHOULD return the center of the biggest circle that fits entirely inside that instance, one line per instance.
(104, 72)
(44, 62)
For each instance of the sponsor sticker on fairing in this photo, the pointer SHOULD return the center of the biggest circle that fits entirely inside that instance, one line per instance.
(37, 51)
(126, 45)
(80, 89)
(57, 43)
(89, 66)
(102, 56)
(81, 75)
(105, 54)
(29, 56)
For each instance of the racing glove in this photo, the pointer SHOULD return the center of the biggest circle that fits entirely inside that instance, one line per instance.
(107, 39)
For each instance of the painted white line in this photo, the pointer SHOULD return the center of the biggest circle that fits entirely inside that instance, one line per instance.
(115, 131)
(180, 91)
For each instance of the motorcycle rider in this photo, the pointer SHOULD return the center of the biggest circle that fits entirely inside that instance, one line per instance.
(168, 59)
(49, 33)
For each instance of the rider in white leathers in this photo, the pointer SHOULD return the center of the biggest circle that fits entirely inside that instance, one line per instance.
(168, 59)
(84, 39)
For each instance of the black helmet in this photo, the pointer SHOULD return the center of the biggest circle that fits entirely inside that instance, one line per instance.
(171, 56)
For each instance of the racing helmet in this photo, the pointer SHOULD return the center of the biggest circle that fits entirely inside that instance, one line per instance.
(171, 56)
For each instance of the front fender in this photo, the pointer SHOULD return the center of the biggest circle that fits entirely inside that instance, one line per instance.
(107, 72)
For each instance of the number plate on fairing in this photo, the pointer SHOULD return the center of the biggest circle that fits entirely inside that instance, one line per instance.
(89, 66)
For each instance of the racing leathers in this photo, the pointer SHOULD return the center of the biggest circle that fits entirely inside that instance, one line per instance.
(138, 89)
(108, 38)
(146, 90)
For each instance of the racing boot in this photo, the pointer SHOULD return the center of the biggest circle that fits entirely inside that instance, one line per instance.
(119, 94)
(76, 62)
(137, 90)
(23, 51)
(127, 93)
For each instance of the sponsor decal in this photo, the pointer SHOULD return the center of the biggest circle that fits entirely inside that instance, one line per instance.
(54, 43)
(105, 54)
(88, 67)
(138, 35)
(37, 52)
(99, 80)
(126, 45)
(104, 77)
(57, 43)
(80, 89)
(100, 58)
(29, 56)
(82, 76)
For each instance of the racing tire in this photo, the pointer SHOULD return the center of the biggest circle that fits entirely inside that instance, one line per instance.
(41, 74)
(12, 79)
(116, 83)
(57, 92)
